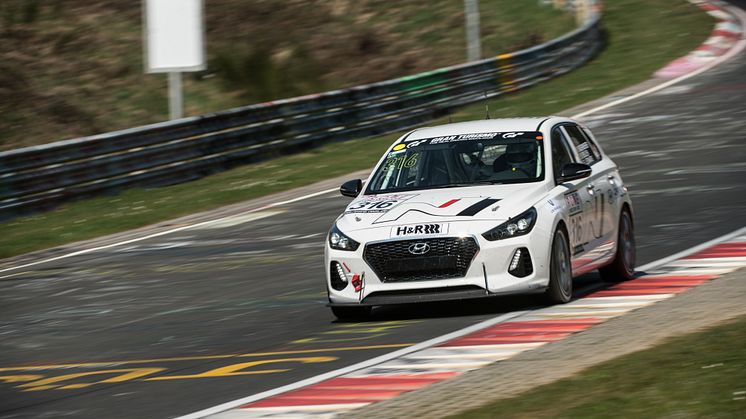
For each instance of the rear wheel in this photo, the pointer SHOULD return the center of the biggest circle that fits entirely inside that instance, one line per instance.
(560, 270)
(351, 313)
(622, 267)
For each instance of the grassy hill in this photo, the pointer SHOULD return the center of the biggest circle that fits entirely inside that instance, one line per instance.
(664, 30)
(71, 68)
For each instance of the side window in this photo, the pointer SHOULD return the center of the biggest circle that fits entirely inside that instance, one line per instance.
(586, 152)
(594, 148)
(560, 152)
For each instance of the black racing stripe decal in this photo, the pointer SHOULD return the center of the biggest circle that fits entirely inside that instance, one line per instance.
(474, 209)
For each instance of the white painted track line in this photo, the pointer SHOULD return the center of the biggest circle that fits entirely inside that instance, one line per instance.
(735, 50)
(235, 403)
(163, 233)
(402, 352)
(691, 251)
(427, 357)
(365, 364)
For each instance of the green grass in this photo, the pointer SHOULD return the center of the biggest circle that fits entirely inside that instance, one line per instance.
(643, 36)
(697, 375)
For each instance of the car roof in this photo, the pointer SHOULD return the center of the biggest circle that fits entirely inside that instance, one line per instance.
(486, 125)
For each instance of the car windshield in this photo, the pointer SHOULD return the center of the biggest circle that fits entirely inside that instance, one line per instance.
(461, 160)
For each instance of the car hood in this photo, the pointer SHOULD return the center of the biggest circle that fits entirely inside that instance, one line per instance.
(488, 202)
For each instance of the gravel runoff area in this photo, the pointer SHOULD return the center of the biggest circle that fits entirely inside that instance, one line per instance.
(700, 308)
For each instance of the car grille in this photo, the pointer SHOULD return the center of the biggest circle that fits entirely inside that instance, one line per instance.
(448, 257)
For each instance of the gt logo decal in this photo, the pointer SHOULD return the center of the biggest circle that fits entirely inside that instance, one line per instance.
(416, 143)
(419, 229)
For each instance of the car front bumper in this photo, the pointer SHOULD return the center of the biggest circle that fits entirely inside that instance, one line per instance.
(487, 275)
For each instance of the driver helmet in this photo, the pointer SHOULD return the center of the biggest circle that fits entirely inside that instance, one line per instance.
(521, 156)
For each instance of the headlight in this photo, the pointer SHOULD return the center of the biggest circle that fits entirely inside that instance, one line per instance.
(338, 241)
(516, 226)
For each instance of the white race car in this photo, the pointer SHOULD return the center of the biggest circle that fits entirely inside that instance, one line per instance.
(482, 208)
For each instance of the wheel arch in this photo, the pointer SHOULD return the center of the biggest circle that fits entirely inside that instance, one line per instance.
(558, 224)
(561, 224)
(626, 206)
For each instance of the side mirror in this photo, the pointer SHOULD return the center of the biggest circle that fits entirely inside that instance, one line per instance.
(351, 188)
(573, 171)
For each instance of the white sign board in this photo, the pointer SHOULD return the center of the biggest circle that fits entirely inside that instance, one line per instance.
(174, 36)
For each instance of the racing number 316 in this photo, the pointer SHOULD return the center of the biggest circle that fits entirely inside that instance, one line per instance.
(371, 205)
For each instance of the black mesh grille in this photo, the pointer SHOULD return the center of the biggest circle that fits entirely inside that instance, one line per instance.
(446, 258)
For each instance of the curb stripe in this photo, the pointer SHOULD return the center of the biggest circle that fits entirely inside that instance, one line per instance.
(661, 268)
(495, 342)
(723, 38)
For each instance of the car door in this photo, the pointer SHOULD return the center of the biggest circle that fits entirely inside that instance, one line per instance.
(576, 198)
(595, 195)
(612, 188)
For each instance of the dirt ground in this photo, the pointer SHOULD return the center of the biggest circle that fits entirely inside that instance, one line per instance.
(72, 68)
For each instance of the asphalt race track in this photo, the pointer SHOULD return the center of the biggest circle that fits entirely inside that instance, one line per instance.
(192, 319)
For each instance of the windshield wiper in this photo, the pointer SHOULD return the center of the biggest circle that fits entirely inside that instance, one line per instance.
(461, 185)
(448, 185)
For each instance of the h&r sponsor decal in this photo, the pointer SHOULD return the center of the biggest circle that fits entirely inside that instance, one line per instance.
(419, 229)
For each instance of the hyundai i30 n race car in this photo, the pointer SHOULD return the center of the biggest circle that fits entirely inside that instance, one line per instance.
(477, 209)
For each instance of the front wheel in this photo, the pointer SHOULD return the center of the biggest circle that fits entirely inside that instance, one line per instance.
(351, 313)
(622, 267)
(560, 270)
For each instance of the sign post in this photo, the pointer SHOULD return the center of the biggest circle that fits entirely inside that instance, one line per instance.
(175, 96)
(473, 44)
(174, 43)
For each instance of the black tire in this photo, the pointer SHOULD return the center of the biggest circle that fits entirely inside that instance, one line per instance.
(351, 313)
(560, 270)
(622, 268)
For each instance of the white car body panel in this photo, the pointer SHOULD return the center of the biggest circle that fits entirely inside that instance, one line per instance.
(589, 208)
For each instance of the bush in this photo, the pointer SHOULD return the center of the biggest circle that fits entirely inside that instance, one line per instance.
(260, 76)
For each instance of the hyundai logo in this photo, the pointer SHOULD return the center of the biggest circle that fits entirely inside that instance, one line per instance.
(419, 248)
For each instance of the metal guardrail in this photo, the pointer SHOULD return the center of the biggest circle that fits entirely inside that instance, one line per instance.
(41, 177)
